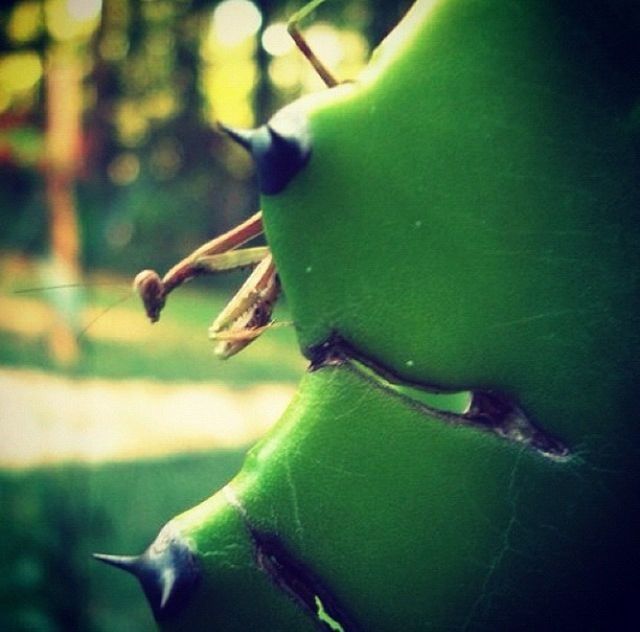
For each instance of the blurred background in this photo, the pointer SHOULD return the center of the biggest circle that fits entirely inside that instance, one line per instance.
(110, 162)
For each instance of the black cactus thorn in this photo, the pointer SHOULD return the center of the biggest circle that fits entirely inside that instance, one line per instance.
(281, 148)
(167, 571)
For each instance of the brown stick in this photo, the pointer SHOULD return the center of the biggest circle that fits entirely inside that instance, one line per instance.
(324, 73)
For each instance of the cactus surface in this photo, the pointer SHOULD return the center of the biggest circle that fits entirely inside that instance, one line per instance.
(460, 252)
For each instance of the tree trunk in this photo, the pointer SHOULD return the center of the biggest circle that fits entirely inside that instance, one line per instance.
(63, 134)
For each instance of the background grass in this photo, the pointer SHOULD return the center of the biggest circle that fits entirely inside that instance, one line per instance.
(120, 343)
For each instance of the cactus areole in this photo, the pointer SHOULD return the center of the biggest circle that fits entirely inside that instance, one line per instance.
(457, 235)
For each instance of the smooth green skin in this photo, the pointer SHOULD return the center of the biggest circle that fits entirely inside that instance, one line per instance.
(470, 214)
(468, 219)
(414, 524)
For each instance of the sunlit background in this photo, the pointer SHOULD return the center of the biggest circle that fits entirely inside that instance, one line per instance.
(111, 161)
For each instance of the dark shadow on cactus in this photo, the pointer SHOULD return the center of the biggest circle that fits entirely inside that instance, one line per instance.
(300, 583)
(488, 410)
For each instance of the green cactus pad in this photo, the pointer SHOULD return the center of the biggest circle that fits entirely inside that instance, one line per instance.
(466, 222)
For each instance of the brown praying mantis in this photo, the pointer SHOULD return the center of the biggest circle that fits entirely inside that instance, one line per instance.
(249, 312)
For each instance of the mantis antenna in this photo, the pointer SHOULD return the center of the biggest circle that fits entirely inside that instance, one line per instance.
(82, 333)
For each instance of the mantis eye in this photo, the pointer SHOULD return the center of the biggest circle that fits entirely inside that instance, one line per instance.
(281, 148)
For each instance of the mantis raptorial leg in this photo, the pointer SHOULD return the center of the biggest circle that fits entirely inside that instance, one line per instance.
(153, 290)
(248, 313)
(232, 260)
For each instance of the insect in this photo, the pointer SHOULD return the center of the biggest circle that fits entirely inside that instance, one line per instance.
(249, 312)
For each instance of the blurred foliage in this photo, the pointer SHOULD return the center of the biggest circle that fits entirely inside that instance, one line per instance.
(155, 177)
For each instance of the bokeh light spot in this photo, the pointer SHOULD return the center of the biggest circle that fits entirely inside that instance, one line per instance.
(20, 71)
(235, 21)
(276, 40)
(124, 169)
(72, 19)
(82, 10)
(25, 23)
